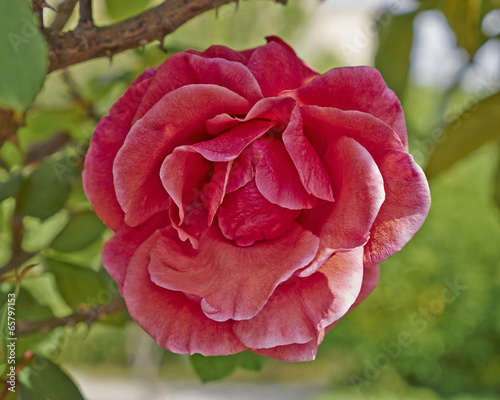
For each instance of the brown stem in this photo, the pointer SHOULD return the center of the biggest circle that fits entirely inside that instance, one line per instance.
(19, 256)
(9, 123)
(86, 13)
(64, 11)
(77, 96)
(88, 316)
(88, 42)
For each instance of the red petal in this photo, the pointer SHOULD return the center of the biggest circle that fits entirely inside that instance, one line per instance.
(215, 190)
(301, 307)
(235, 282)
(277, 178)
(371, 275)
(312, 173)
(186, 68)
(278, 69)
(242, 170)
(359, 190)
(221, 123)
(229, 145)
(404, 210)
(178, 118)
(355, 88)
(118, 250)
(246, 217)
(174, 321)
(182, 173)
(108, 137)
(293, 352)
(218, 51)
(407, 197)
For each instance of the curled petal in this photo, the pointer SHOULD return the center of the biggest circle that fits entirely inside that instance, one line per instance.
(359, 190)
(118, 250)
(108, 138)
(182, 173)
(187, 68)
(229, 145)
(276, 68)
(176, 322)
(210, 272)
(177, 119)
(311, 172)
(355, 88)
(294, 352)
(277, 178)
(371, 275)
(407, 196)
(301, 308)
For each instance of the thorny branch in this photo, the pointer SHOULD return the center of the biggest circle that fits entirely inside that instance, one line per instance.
(88, 41)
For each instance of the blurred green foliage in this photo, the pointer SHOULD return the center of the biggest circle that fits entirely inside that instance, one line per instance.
(431, 328)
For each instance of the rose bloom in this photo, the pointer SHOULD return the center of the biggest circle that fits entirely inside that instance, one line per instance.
(251, 198)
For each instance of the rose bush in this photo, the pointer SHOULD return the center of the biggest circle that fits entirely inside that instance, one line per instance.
(251, 198)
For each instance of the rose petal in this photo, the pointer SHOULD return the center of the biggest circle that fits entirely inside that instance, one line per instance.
(404, 210)
(174, 321)
(218, 51)
(301, 307)
(178, 118)
(293, 352)
(355, 88)
(359, 190)
(242, 170)
(407, 196)
(214, 191)
(371, 275)
(182, 173)
(108, 137)
(311, 172)
(234, 282)
(221, 123)
(118, 250)
(276, 68)
(277, 178)
(246, 217)
(229, 145)
(186, 68)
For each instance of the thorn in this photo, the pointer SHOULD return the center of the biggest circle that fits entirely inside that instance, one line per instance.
(162, 46)
(109, 54)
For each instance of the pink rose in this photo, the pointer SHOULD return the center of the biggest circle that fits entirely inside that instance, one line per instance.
(251, 198)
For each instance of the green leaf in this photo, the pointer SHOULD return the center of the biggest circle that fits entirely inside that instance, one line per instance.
(46, 190)
(393, 54)
(213, 368)
(10, 187)
(465, 20)
(23, 53)
(43, 380)
(42, 124)
(251, 361)
(77, 285)
(476, 127)
(82, 230)
(122, 9)
(218, 367)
